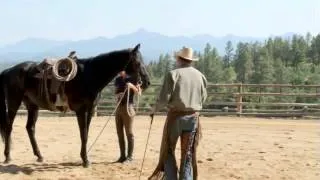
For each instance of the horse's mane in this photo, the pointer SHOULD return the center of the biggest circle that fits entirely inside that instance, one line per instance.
(106, 55)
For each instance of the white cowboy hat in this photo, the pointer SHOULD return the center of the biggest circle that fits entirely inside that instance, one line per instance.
(186, 53)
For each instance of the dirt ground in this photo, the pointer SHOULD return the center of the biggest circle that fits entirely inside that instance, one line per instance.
(231, 148)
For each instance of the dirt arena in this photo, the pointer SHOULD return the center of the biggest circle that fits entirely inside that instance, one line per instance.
(231, 148)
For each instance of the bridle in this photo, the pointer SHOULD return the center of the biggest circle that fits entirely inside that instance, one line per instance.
(137, 75)
(139, 83)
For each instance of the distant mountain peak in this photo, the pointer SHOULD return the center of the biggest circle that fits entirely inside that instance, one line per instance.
(153, 44)
(142, 30)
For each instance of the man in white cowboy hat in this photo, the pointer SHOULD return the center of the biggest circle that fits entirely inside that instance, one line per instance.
(183, 92)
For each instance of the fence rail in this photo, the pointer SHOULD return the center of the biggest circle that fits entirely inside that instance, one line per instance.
(230, 99)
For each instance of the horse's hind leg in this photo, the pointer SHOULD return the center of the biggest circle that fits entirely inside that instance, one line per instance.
(13, 106)
(31, 123)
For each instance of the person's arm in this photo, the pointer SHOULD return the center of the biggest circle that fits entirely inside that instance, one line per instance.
(204, 89)
(136, 89)
(165, 93)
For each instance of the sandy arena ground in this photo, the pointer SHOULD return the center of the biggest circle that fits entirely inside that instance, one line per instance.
(231, 148)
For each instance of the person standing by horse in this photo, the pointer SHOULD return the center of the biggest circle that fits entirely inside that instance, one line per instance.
(125, 113)
(183, 92)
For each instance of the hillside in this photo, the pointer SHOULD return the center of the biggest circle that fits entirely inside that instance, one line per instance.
(153, 44)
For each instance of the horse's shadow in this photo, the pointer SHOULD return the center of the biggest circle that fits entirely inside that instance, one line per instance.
(14, 169)
(28, 169)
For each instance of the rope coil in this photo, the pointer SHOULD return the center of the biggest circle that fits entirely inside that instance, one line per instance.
(71, 64)
(137, 107)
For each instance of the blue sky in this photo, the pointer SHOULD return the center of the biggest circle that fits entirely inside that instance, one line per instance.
(79, 19)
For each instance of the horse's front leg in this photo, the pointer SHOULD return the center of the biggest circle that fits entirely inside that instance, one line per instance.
(83, 127)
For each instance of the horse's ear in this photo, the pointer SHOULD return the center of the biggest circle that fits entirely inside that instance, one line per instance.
(135, 49)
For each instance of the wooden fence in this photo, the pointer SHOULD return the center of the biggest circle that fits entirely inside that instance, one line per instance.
(230, 99)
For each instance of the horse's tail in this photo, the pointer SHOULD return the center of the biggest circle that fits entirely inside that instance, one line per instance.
(3, 108)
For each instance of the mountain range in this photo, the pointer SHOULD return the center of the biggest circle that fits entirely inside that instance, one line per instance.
(152, 45)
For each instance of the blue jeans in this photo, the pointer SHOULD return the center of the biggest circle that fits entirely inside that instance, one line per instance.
(184, 127)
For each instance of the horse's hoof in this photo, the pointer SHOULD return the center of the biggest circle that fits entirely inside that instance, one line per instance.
(86, 164)
(40, 159)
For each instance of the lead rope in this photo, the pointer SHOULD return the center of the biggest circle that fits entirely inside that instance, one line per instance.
(107, 121)
(127, 89)
(137, 107)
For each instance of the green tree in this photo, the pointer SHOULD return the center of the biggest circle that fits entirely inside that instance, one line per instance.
(263, 68)
(228, 57)
(281, 74)
(243, 63)
(214, 70)
(314, 52)
(229, 75)
(298, 50)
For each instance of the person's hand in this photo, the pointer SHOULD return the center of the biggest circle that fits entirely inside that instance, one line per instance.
(130, 85)
(139, 90)
(138, 86)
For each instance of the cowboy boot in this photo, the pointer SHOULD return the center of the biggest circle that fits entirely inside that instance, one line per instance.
(130, 147)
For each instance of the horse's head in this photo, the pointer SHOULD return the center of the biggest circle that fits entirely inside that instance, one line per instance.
(136, 67)
(102, 68)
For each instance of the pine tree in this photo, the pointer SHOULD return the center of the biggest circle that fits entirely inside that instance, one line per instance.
(214, 70)
(243, 63)
(263, 68)
(227, 59)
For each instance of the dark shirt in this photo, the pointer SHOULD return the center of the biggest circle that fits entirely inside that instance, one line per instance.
(120, 84)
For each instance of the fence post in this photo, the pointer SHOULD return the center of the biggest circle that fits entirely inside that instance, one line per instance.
(239, 100)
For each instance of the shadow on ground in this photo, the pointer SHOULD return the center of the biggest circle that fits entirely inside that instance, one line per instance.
(28, 169)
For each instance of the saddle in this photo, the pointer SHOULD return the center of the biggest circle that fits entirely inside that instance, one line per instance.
(53, 73)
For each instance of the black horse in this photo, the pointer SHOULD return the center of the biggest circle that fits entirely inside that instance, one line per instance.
(18, 85)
